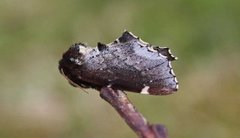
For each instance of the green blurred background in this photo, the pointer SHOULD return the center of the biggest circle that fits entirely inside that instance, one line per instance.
(37, 102)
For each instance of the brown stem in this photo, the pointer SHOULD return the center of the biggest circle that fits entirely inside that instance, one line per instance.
(132, 117)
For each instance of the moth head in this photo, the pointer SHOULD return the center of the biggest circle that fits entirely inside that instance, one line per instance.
(76, 53)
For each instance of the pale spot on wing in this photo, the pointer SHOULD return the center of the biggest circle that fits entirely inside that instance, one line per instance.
(83, 49)
(145, 90)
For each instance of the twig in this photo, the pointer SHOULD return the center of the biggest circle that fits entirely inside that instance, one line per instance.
(132, 117)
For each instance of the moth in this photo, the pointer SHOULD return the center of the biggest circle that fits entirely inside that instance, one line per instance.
(127, 64)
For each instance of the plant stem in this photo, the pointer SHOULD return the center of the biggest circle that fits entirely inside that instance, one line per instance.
(132, 117)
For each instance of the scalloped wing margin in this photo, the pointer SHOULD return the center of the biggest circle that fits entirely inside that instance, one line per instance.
(165, 52)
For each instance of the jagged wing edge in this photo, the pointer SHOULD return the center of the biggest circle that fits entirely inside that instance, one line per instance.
(129, 36)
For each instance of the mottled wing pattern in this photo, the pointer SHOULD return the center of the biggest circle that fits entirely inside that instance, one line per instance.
(128, 64)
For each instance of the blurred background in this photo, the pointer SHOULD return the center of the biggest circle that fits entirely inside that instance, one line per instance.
(37, 102)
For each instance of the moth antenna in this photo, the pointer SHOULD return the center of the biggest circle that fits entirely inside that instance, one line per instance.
(83, 90)
(71, 82)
